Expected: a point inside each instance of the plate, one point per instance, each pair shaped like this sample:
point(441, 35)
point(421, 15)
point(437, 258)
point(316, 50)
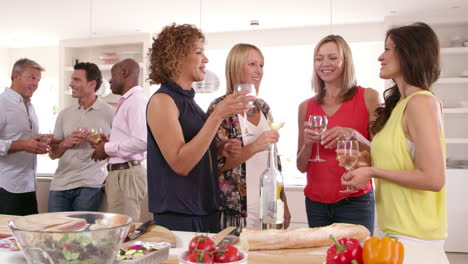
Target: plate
point(9, 245)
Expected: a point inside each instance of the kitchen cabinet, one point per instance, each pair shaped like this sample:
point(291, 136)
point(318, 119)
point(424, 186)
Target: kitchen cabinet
point(452, 90)
point(103, 51)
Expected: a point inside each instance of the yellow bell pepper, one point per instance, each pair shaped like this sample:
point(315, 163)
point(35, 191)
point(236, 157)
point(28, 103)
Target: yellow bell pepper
point(383, 251)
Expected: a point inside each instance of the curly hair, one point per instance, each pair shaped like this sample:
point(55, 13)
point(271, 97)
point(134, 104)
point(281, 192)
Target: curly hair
point(417, 49)
point(170, 46)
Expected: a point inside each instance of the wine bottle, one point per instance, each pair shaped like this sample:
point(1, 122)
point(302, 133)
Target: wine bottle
point(271, 185)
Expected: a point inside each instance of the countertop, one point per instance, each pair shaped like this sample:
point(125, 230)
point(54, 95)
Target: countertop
point(413, 252)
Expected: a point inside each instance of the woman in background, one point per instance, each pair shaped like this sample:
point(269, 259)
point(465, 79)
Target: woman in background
point(350, 110)
point(240, 176)
point(183, 186)
point(408, 150)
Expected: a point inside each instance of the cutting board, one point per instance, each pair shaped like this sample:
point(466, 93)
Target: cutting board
point(157, 233)
point(4, 229)
point(315, 255)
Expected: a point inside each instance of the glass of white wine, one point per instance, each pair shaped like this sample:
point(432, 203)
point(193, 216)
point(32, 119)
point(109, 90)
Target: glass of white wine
point(318, 124)
point(347, 155)
point(94, 135)
point(253, 92)
point(46, 138)
point(276, 125)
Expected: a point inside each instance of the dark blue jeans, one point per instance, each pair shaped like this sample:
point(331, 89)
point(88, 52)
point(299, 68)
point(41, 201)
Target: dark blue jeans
point(79, 199)
point(353, 210)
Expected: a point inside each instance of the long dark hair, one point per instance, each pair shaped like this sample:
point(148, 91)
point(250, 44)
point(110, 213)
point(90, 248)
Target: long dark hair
point(417, 49)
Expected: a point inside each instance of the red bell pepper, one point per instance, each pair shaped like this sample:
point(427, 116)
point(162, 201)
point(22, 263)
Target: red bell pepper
point(344, 251)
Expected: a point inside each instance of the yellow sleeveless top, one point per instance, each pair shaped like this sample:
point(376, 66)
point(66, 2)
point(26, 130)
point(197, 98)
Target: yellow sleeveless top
point(402, 210)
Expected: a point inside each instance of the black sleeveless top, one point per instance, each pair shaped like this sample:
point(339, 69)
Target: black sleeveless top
point(198, 192)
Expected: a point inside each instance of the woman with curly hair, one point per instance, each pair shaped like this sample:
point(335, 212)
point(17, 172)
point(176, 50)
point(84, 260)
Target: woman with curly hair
point(183, 186)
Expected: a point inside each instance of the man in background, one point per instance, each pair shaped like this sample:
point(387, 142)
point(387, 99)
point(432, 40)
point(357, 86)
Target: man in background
point(126, 148)
point(19, 141)
point(77, 183)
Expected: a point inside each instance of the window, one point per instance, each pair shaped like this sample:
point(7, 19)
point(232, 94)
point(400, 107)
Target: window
point(45, 101)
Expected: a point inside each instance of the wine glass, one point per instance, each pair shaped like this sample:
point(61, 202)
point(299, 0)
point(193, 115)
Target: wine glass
point(94, 135)
point(275, 125)
point(347, 155)
point(253, 92)
point(318, 124)
point(46, 138)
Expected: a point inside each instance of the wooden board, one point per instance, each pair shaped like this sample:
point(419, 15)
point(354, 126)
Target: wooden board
point(157, 233)
point(297, 256)
point(292, 256)
point(4, 229)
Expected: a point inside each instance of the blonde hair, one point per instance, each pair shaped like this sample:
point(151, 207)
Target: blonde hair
point(349, 76)
point(234, 61)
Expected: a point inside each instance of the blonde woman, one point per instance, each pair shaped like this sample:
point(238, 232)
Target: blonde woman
point(240, 176)
point(350, 111)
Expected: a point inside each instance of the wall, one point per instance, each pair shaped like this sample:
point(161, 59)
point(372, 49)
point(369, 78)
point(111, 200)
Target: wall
point(4, 69)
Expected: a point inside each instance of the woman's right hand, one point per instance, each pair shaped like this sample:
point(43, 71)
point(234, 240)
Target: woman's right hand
point(265, 139)
point(233, 104)
point(309, 136)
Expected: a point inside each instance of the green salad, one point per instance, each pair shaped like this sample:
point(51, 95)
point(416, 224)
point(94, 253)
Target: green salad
point(72, 248)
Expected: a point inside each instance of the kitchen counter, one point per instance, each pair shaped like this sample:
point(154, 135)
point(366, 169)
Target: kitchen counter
point(413, 252)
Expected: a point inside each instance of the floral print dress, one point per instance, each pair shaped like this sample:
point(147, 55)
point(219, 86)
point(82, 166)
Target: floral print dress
point(233, 185)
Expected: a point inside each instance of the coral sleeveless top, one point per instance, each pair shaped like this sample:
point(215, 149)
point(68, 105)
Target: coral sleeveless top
point(324, 178)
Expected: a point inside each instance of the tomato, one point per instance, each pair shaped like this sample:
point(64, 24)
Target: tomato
point(225, 254)
point(199, 257)
point(202, 243)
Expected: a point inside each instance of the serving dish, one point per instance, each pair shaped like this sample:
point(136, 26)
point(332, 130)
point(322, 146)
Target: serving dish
point(155, 257)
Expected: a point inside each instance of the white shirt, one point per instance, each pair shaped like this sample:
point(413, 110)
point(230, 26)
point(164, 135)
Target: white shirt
point(255, 166)
point(17, 170)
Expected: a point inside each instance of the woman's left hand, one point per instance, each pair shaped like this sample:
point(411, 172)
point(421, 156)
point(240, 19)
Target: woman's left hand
point(357, 178)
point(332, 135)
point(231, 148)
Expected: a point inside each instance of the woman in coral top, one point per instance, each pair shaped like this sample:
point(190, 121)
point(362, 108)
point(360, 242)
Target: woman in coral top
point(349, 109)
point(408, 150)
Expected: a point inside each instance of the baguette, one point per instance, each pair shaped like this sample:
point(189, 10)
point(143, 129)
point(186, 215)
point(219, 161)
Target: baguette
point(256, 239)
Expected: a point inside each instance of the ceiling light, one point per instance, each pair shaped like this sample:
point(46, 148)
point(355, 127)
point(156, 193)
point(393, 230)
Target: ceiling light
point(254, 22)
point(208, 85)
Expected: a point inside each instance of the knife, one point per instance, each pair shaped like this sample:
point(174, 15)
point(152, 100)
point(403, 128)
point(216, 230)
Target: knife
point(231, 238)
point(140, 230)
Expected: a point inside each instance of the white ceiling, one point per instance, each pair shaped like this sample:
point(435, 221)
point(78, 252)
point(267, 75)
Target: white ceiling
point(44, 22)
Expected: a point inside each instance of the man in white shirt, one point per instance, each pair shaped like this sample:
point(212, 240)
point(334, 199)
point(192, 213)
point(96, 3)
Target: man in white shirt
point(19, 141)
point(77, 183)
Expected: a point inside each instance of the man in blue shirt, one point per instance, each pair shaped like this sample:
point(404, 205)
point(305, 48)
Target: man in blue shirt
point(19, 141)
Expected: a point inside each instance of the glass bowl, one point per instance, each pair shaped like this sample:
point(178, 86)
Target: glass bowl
point(70, 237)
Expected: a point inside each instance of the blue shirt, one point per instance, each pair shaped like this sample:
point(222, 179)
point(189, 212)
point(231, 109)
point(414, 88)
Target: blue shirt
point(17, 170)
point(198, 192)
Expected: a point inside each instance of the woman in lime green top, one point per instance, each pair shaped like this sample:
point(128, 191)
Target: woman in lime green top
point(408, 149)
